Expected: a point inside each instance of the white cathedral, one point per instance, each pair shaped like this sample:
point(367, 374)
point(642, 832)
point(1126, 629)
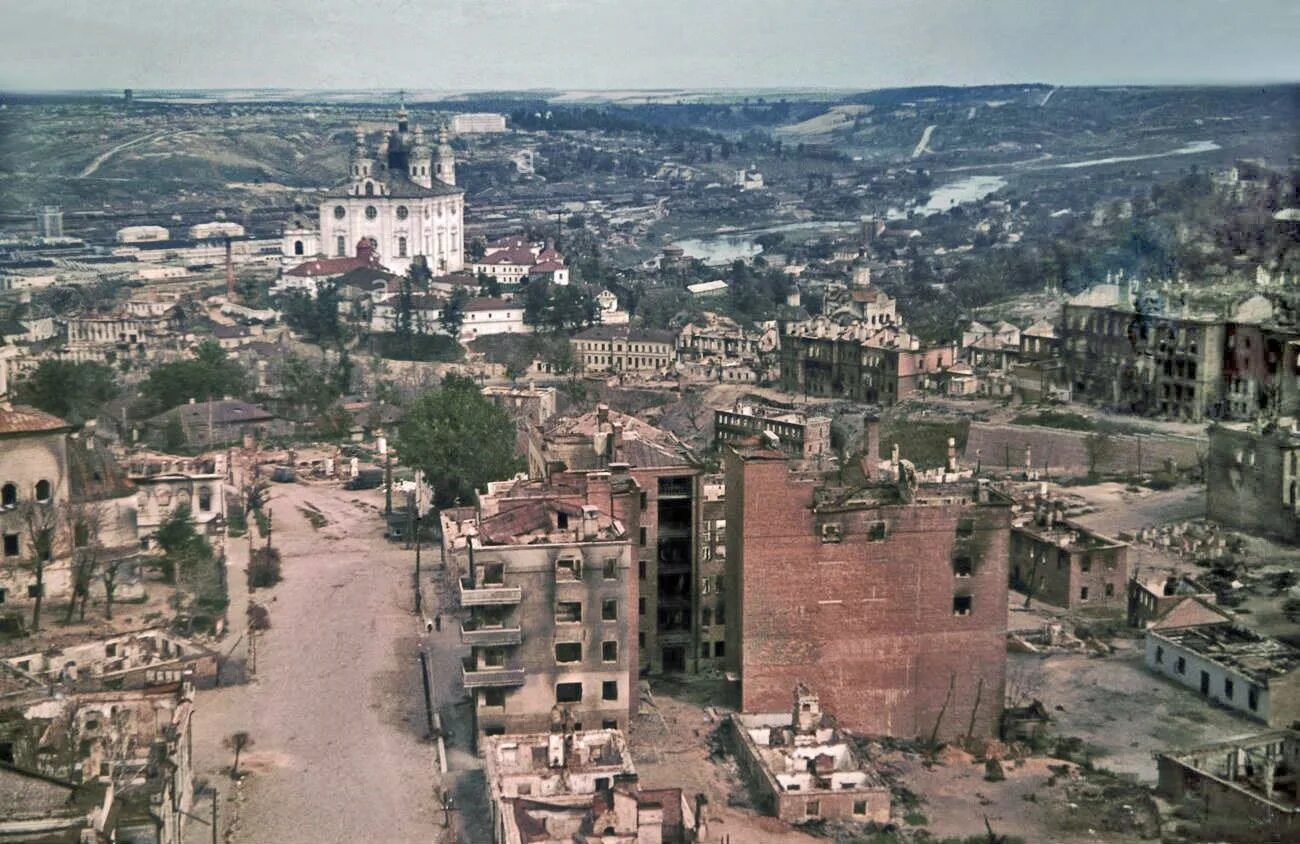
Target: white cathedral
point(401, 198)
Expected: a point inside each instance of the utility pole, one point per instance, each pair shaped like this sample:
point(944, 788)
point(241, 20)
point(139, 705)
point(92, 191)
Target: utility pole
point(214, 816)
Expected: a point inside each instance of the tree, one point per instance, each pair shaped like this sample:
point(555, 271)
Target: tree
point(73, 391)
point(459, 439)
point(210, 374)
point(453, 313)
point(86, 522)
point(108, 574)
point(238, 742)
point(40, 521)
point(184, 549)
point(1099, 446)
point(488, 285)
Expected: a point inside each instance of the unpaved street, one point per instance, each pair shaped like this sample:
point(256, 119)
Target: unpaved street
point(335, 709)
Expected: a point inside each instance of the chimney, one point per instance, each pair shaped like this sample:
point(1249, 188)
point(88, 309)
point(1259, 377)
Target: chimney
point(602, 414)
point(590, 522)
point(616, 442)
point(230, 273)
point(872, 445)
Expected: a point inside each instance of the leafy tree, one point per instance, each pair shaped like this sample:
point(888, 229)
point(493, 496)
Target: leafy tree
point(453, 313)
point(475, 249)
point(310, 387)
point(459, 439)
point(210, 374)
point(237, 742)
point(184, 549)
point(73, 391)
point(488, 285)
point(316, 317)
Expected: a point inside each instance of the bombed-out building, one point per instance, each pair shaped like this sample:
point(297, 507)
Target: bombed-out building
point(1065, 564)
point(889, 599)
point(1253, 478)
point(671, 576)
point(568, 786)
point(1245, 788)
point(547, 591)
point(1234, 666)
point(803, 768)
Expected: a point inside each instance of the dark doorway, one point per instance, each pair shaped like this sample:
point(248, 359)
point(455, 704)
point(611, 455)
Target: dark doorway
point(674, 658)
point(1205, 682)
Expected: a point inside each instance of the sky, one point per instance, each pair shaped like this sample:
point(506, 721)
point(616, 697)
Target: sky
point(641, 44)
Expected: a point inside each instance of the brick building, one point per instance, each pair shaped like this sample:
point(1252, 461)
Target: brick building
point(1253, 479)
point(1065, 564)
point(890, 600)
point(547, 591)
point(1151, 596)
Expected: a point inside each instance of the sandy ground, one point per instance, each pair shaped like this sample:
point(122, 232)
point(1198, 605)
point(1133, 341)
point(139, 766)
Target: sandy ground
point(1120, 709)
point(334, 709)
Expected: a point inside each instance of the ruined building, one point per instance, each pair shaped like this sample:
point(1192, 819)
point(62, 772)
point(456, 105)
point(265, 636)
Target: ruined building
point(857, 349)
point(1253, 479)
point(889, 599)
point(1255, 675)
point(1065, 564)
point(1183, 354)
point(671, 576)
point(803, 768)
point(547, 592)
point(573, 788)
point(1245, 789)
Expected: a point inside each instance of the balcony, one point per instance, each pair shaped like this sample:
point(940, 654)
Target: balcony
point(483, 596)
point(490, 678)
point(471, 635)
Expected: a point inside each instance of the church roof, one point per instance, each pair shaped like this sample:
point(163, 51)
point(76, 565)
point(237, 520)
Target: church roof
point(399, 187)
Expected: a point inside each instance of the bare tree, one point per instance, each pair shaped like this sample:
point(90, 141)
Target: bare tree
point(108, 573)
point(85, 523)
point(40, 520)
point(238, 742)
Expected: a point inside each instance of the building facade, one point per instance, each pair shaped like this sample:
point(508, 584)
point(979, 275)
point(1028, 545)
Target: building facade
point(1253, 479)
point(620, 348)
point(889, 600)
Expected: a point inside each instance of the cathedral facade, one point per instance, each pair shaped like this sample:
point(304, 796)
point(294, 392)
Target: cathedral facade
point(402, 198)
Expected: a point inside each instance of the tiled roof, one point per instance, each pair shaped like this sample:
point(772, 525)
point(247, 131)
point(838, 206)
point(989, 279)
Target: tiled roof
point(512, 255)
point(20, 419)
point(492, 305)
point(399, 187)
point(332, 266)
point(623, 332)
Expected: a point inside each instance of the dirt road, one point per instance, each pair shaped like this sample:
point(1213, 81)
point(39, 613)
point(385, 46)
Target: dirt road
point(335, 708)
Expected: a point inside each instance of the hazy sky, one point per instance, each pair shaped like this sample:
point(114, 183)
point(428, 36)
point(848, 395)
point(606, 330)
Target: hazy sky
point(475, 44)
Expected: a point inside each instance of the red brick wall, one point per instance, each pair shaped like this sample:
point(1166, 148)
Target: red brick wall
point(868, 625)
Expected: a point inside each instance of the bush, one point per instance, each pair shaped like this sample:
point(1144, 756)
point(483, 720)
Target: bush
point(993, 771)
point(423, 347)
point(264, 568)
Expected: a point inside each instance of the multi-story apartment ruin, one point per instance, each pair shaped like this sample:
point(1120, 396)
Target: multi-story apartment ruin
point(547, 588)
point(890, 599)
point(668, 567)
point(1182, 354)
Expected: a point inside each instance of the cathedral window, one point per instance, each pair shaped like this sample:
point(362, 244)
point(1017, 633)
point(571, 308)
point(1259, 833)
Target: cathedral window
point(401, 247)
point(297, 247)
point(342, 246)
point(402, 212)
point(371, 213)
point(370, 188)
point(339, 212)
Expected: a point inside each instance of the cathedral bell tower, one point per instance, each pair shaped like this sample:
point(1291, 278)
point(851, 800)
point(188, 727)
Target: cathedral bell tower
point(363, 166)
point(420, 161)
point(446, 163)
